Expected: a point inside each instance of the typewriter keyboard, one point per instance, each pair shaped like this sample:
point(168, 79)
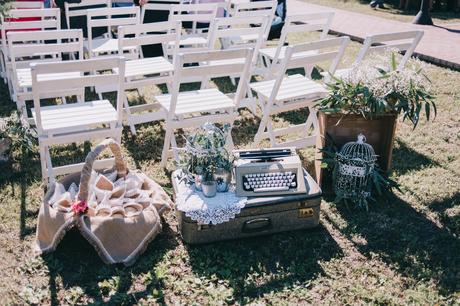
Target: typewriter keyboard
point(266, 182)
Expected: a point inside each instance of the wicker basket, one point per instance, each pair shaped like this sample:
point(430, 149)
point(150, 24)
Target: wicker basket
point(117, 240)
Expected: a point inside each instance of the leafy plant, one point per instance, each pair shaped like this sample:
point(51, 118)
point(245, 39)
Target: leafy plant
point(205, 152)
point(21, 138)
point(5, 6)
point(370, 90)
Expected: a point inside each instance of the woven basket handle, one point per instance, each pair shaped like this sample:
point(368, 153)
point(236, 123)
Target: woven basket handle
point(120, 165)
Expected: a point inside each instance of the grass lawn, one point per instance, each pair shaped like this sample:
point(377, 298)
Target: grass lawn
point(391, 11)
point(405, 251)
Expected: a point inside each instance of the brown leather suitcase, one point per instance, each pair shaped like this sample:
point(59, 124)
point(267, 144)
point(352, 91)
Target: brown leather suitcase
point(260, 216)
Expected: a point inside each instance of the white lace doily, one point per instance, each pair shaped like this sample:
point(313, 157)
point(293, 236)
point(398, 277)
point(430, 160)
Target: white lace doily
point(219, 209)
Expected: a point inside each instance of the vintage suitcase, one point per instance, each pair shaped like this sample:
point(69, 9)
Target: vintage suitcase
point(260, 216)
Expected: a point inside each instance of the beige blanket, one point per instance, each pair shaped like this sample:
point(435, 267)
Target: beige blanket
point(116, 239)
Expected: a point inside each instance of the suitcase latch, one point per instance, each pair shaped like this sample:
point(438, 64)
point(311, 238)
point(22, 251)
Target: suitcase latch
point(305, 212)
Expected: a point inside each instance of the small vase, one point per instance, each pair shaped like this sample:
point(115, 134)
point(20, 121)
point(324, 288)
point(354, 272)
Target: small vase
point(223, 179)
point(209, 188)
point(198, 180)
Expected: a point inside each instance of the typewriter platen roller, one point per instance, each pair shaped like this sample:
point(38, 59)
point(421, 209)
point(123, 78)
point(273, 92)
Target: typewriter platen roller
point(268, 172)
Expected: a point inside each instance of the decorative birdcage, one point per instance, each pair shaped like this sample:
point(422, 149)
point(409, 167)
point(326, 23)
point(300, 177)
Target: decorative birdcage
point(354, 167)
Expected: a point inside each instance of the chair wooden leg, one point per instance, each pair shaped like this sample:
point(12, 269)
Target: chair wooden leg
point(166, 146)
point(43, 162)
point(260, 131)
point(132, 128)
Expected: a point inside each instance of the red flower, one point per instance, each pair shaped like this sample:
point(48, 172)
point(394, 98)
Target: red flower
point(79, 207)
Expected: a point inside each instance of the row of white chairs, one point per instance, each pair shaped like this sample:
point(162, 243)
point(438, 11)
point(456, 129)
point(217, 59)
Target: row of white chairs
point(275, 94)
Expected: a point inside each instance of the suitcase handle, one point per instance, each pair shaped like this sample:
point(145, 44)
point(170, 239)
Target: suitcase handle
point(257, 225)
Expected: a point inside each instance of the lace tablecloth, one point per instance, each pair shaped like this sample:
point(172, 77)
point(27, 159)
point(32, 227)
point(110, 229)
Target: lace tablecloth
point(219, 209)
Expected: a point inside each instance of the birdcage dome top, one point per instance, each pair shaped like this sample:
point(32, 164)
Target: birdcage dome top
point(358, 150)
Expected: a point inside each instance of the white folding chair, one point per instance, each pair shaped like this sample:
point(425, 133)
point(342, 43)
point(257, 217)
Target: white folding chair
point(255, 8)
point(401, 41)
point(192, 108)
point(81, 8)
point(75, 122)
point(251, 31)
point(27, 5)
point(295, 24)
point(39, 46)
point(157, 5)
point(111, 19)
point(196, 21)
point(24, 20)
point(288, 93)
point(142, 72)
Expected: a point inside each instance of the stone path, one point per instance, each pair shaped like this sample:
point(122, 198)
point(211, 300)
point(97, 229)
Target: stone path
point(439, 45)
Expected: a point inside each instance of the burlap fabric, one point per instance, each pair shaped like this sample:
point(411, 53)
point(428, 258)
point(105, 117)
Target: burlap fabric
point(117, 240)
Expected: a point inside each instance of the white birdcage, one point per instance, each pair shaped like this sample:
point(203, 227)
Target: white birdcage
point(355, 164)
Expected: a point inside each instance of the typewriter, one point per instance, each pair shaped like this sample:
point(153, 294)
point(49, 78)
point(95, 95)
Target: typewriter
point(268, 172)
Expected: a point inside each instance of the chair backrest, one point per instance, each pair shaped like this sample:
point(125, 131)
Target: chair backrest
point(111, 18)
point(157, 5)
point(28, 20)
point(149, 34)
point(27, 4)
point(249, 32)
point(301, 55)
point(304, 23)
point(77, 74)
point(256, 8)
point(49, 45)
point(401, 41)
point(203, 13)
point(81, 8)
point(212, 64)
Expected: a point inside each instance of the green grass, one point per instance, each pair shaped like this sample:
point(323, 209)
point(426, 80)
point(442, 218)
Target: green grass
point(391, 11)
point(405, 251)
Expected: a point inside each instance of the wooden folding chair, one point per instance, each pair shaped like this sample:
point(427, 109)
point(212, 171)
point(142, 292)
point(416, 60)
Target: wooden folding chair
point(401, 41)
point(255, 8)
point(196, 21)
point(110, 19)
point(75, 122)
point(157, 5)
point(295, 24)
point(24, 20)
point(192, 108)
point(80, 9)
point(288, 93)
point(39, 46)
point(142, 72)
point(251, 31)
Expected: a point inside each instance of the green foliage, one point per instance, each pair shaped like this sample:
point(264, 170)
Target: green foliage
point(22, 138)
point(373, 91)
point(205, 152)
point(5, 6)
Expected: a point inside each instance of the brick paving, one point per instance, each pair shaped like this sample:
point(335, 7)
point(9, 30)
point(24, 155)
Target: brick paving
point(440, 44)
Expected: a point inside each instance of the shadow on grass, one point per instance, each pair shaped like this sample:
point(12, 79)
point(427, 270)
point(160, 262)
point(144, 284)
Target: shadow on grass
point(449, 212)
point(76, 263)
point(406, 240)
point(289, 258)
point(406, 159)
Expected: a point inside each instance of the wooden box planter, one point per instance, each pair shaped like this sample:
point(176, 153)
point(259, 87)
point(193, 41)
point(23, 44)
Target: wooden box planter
point(379, 132)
